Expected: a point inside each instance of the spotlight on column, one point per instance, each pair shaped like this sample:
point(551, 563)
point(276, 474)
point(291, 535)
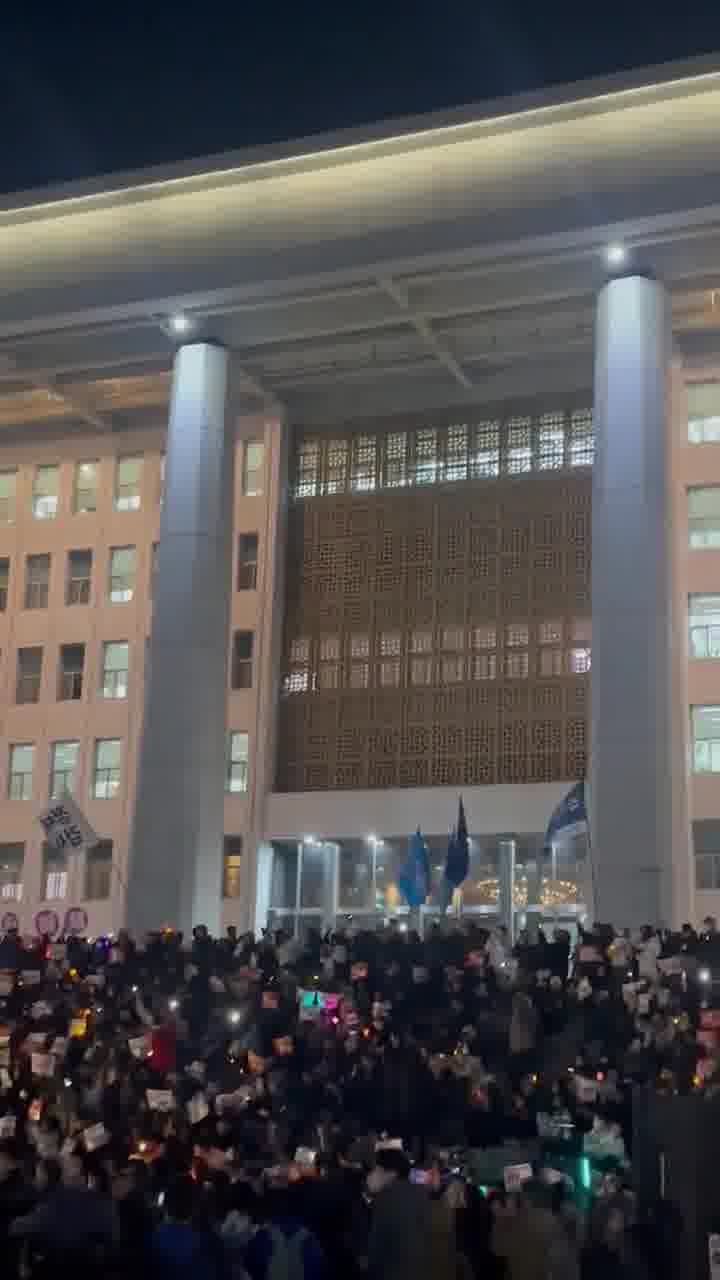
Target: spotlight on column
point(179, 323)
point(616, 255)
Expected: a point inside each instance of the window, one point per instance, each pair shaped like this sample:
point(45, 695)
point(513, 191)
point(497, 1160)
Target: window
point(155, 548)
point(426, 455)
point(252, 468)
point(483, 639)
point(359, 670)
point(704, 626)
point(247, 562)
point(114, 678)
point(396, 459)
point(45, 493)
point(232, 862)
point(37, 582)
point(128, 479)
point(456, 453)
point(161, 495)
point(581, 451)
point(8, 485)
point(55, 874)
point(336, 466)
point(98, 871)
point(63, 762)
point(12, 857)
point(421, 670)
point(106, 771)
point(4, 582)
point(79, 576)
point(485, 460)
point(519, 446)
point(29, 675)
point(705, 723)
point(516, 656)
point(307, 469)
point(363, 468)
point(242, 660)
point(297, 679)
point(85, 487)
point(703, 412)
point(551, 442)
point(704, 517)
point(706, 846)
point(236, 778)
point(21, 771)
point(122, 574)
point(70, 672)
point(550, 639)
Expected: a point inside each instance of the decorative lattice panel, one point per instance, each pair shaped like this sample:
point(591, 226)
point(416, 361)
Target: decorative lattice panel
point(438, 607)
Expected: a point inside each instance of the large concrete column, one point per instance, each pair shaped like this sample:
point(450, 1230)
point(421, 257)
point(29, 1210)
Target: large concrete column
point(175, 872)
point(631, 758)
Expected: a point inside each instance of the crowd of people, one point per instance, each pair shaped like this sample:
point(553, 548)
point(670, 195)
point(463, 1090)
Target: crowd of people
point(350, 1104)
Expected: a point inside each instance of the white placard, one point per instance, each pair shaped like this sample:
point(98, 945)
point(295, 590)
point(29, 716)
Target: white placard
point(8, 1124)
point(7, 982)
point(197, 1108)
point(138, 1047)
point(66, 828)
point(42, 1064)
point(514, 1175)
point(96, 1136)
point(160, 1099)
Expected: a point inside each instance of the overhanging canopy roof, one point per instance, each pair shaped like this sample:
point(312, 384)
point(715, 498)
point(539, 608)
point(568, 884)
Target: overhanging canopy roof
point(439, 261)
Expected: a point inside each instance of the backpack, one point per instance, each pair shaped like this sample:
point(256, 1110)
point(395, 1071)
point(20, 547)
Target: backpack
point(286, 1258)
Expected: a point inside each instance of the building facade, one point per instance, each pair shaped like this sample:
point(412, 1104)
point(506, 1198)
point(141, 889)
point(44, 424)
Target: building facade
point(368, 535)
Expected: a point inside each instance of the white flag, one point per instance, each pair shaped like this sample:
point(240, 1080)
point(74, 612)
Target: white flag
point(66, 827)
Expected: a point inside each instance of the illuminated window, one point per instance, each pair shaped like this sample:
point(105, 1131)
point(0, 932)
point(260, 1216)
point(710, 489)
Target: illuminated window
point(581, 448)
point(253, 468)
point(114, 678)
point(485, 460)
point(456, 453)
point(21, 771)
point(307, 482)
point(336, 466)
point(518, 456)
point(236, 778)
point(54, 873)
point(128, 479)
point(232, 866)
point(703, 412)
point(396, 459)
point(704, 626)
point(704, 517)
point(8, 485)
point(122, 574)
point(85, 487)
point(426, 455)
point(106, 771)
point(551, 442)
point(705, 722)
point(45, 492)
point(63, 763)
point(363, 471)
point(12, 859)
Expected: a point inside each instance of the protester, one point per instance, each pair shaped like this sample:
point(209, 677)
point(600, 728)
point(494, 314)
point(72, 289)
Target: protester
point(348, 1102)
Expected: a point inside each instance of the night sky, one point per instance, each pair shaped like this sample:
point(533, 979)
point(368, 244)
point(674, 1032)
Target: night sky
point(86, 90)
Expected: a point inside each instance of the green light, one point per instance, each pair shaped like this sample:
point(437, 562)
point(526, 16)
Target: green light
point(585, 1173)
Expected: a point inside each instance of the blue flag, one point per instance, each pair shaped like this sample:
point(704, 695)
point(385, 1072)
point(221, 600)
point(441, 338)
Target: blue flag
point(569, 816)
point(414, 878)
